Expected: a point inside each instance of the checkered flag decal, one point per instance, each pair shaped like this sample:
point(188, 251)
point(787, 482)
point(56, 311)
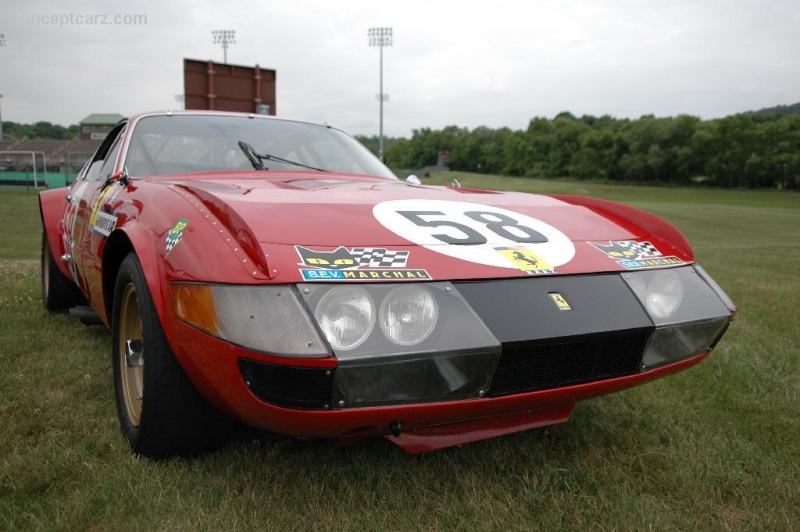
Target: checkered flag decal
point(628, 249)
point(644, 249)
point(171, 243)
point(641, 249)
point(379, 257)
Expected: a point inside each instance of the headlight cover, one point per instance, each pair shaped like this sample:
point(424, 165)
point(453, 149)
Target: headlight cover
point(429, 345)
point(408, 314)
point(664, 294)
point(346, 316)
point(690, 313)
point(269, 319)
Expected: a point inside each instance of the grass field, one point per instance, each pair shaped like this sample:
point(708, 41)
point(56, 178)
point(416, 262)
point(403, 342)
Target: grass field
point(714, 448)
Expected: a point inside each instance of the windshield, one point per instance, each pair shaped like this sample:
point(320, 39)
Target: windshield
point(199, 143)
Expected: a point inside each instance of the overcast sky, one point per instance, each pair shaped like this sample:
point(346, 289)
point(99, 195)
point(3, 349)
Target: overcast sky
point(467, 63)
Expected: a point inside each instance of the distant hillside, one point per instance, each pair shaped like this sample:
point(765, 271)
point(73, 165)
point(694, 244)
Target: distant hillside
point(778, 110)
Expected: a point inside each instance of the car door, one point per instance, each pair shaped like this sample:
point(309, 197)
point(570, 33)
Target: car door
point(88, 195)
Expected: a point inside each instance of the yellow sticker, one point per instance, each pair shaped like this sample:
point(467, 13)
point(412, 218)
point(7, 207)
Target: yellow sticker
point(526, 260)
point(98, 204)
point(560, 302)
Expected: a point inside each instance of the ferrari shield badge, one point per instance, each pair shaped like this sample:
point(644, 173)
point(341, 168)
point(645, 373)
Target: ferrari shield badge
point(176, 233)
point(560, 302)
point(526, 260)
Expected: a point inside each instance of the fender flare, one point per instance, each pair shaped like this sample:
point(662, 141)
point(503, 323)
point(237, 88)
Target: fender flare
point(137, 239)
point(52, 206)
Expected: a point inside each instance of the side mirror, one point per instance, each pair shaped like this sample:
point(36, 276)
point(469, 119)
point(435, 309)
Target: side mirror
point(121, 176)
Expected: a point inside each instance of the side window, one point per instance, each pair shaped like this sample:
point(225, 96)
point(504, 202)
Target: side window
point(111, 158)
point(111, 143)
point(94, 170)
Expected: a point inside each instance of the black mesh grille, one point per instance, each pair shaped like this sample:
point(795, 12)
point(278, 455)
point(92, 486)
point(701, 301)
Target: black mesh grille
point(539, 365)
point(288, 386)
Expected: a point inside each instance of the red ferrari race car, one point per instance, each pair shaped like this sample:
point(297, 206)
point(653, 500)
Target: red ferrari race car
point(274, 272)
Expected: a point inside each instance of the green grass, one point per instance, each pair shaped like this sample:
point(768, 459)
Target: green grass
point(716, 447)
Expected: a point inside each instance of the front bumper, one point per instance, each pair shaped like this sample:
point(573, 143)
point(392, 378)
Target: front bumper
point(550, 358)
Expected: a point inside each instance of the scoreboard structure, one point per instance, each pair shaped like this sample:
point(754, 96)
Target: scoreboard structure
point(224, 87)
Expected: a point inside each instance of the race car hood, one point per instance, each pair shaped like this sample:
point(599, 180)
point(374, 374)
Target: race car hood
point(306, 222)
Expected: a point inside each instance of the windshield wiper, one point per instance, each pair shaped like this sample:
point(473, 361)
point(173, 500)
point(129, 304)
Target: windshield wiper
point(255, 159)
point(251, 155)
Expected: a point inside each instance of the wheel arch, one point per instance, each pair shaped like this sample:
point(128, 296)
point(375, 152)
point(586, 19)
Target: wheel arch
point(119, 244)
point(52, 206)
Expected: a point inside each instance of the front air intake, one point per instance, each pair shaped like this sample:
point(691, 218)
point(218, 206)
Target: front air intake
point(540, 365)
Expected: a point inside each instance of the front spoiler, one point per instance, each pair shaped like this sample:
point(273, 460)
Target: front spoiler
point(444, 436)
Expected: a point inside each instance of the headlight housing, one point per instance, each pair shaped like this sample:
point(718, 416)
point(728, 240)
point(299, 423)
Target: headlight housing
point(690, 313)
point(429, 344)
point(269, 319)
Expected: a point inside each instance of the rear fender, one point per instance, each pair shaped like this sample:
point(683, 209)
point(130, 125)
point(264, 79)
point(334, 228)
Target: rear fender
point(52, 205)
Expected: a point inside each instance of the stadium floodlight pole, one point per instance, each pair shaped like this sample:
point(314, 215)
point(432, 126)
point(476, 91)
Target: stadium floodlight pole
point(225, 38)
point(380, 37)
point(1, 120)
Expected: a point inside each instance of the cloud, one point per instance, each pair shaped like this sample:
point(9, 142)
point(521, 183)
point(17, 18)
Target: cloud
point(469, 64)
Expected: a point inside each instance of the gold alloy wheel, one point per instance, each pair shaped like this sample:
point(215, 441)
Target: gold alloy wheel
point(131, 355)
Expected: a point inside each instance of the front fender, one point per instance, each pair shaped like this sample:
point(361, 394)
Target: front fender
point(631, 216)
point(120, 243)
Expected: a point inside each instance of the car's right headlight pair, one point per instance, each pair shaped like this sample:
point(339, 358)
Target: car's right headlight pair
point(347, 315)
point(690, 312)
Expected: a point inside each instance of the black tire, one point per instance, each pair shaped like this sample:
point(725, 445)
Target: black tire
point(59, 293)
point(160, 411)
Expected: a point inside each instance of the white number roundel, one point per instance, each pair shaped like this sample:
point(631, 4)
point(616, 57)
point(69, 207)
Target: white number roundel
point(473, 232)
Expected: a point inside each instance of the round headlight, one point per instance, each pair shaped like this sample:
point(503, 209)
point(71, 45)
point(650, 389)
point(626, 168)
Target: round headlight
point(664, 294)
point(408, 314)
point(346, 315)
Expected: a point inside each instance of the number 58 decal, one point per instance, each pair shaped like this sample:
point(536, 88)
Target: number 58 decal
point(501, 225)
point(473, 232)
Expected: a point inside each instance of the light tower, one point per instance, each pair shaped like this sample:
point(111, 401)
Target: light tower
point(380, 37)
point(225, 38)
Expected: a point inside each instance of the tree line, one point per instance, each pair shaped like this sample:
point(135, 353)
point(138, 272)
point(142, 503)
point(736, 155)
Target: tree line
point(758, 149)
point(747, 150)
point(39, 130)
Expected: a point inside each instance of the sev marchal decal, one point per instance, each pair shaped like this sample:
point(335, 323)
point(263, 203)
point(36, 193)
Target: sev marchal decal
point(650, 263)
point(357, 264)
point(176, 234)
point(481, 234)
point(634, 255)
